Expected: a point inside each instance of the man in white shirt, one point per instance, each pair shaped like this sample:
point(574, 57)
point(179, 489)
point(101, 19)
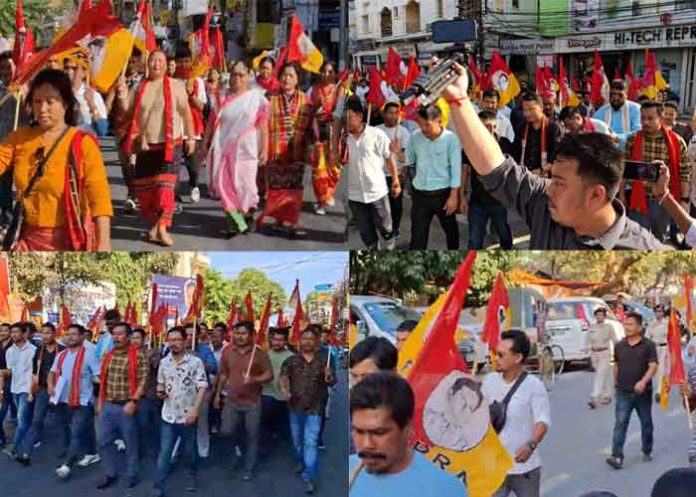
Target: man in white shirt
point(399, 136)
point(490, 101)
point(657, 332)
point(20, 362)
point(368, 149)
point(92, 113)
point(528, 414)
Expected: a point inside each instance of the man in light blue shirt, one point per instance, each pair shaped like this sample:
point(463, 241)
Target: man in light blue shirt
point(435, 156)
point(74, 409)
point(381, 408)
point(106, 341)
point(621, 115)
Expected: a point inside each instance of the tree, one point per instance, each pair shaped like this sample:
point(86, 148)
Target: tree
point(35, 13)
point(220, 293)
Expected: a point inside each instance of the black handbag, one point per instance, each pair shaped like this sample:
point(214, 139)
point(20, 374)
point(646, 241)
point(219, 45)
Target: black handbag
point(498, 410)
point(9, 235)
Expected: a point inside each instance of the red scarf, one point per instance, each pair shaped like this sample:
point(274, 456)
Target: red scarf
point(79, 222)
point(132, 373)
point(638, 200)
point(589, 126)
point(270, 84)
point(324, 100)
point(168, 118)
point(198, 126)
point(75, 383)
point(544, 152)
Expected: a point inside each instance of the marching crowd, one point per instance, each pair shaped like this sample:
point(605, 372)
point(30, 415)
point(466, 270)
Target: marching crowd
point(383, 412)
point(561, 169)
point(259, 132)
point(120, 392)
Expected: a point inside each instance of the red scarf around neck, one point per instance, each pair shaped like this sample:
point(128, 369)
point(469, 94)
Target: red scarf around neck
point(638, 200)
point(589, 126)
point(270, 84)
point(75, 379)
point(168, 118)
point(132, 373)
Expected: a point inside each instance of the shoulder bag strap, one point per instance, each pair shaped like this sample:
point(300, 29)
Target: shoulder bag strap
point(514, 388)
point(42, 165)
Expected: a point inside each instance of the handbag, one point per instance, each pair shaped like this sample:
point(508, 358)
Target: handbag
point(9, 237)
point(498, 410)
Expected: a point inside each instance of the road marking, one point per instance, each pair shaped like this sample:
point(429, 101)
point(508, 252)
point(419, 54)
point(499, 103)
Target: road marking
point(550, 483)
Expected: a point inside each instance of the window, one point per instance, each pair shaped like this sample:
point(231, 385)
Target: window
point(396, 12)
point(366, 24)
point(385, 22)
point(516, 4)
point(413, 17)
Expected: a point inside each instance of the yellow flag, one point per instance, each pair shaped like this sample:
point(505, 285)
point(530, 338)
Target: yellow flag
point(109, 60)
point(444, 107)
point(485, 465)
point(256, 61)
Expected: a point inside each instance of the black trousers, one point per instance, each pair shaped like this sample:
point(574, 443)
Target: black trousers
point(397, 208)
point(425, 206)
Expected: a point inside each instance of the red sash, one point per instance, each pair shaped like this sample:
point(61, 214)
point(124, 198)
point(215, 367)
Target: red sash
point(198, 126)
point(638, 200)
point(132, 373)
point(589, 126)
point(168, 118)
point(79, 222)
point(75, 383)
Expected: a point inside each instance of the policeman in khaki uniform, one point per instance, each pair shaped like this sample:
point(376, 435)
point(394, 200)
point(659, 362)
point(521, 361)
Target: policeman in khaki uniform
point(657, 332)
point(601, 338)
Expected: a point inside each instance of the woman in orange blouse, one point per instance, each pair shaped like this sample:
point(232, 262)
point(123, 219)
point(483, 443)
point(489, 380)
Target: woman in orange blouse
point(69, 207)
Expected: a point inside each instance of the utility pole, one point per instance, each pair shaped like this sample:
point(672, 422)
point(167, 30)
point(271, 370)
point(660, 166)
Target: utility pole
point(473, 9)
point(343, 35)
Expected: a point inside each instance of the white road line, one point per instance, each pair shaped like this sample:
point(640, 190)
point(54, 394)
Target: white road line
point(550, 483)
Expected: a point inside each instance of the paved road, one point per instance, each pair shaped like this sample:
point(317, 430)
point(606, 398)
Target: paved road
point(216, 478)
point(437, 241)
point(573, 453)
point(199, 226)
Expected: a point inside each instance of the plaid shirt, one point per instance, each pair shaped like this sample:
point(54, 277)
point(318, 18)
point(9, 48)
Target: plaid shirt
point(117, 383)
point(655, 148)
point(289, 131)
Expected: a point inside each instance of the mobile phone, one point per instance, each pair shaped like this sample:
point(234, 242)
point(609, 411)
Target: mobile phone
point(642, 171)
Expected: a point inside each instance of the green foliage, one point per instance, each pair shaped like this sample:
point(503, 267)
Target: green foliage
point(220, 292)
point(36, 12)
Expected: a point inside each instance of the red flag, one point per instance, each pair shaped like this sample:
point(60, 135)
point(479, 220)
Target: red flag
point(563, 82)
point(542, 84)
point(334, 320)
point(632, 83)
point(146, 21)
point(295, 293)
point(232, 316)
point(395, 70)
point(551, 79)
point(97, 320)
point(249, 305)
point(65, 319)
point(4, 289)
point(496, 314)
point(261, 336)
point(218, 49)
point(281, 319)
point(617, 73)
point(475, 71)
point(575, 86)
point(376, 95)
point(412, 73)
point(297, 319)
point(85, 5)
point(600, 84)
point(196, 309)
point(24, 39)
point(673, 372)
point(689, 290)
point(440, 356)
point(25, 314)
point(96, 21)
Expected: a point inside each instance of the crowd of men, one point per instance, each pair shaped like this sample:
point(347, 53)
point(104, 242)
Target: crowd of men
point(382, 408)
point(561, 169)
point(257, 130)
point(122, 393)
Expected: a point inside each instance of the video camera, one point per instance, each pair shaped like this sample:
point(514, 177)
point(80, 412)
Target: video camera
point(427, 87)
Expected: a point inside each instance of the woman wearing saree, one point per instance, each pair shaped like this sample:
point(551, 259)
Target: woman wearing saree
point(238, 144)
point(289, 139)
point(58, 173)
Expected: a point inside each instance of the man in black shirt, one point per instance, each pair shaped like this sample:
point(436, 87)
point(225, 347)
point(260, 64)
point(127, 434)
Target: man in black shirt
point(481, 206)
point(6, 403)
point(43, 360)
point(635, 364)
point(535, 141)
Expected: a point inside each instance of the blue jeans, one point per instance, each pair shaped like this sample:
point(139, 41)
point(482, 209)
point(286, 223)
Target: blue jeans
point(274, 422)
point(656, 220)
point(37, 424)
point(478, 220)
point(625, 404)
point(114, 424)
point(76, 423)
point(168, 435)
point(7, 405)
point(305, 435)
point(23, 417)
point(149, 415)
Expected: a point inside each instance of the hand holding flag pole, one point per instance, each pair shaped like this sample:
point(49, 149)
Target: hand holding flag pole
point(251, 361)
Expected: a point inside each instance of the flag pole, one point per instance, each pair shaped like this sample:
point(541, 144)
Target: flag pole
point(195, 330)
point(251, 361)
point(369, 113)
point(18, 104)
point(355, 473)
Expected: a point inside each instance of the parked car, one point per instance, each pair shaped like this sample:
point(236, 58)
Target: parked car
point(568, 323)
point(379, 316)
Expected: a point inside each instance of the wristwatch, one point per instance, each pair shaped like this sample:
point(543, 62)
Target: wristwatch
point(532, 445)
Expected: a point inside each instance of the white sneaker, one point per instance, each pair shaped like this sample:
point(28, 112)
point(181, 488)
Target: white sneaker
point(88, 460)
point(319, 210)
point(63, 471)
point(195, 195)
point(120, 445)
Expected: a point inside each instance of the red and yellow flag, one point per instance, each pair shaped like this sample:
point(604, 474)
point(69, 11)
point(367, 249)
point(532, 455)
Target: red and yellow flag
point(498, 316)
point(673, 373)
point(262, 335)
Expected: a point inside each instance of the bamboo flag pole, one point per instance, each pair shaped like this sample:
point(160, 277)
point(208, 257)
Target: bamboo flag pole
point(251, 361)
point(18, 104)
point(369, 113)
point(355, 473)
point(195, 332)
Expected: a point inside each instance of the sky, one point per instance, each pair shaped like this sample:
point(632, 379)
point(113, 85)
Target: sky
point(312, 268)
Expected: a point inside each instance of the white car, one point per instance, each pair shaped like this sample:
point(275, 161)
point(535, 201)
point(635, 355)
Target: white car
point(379, 316)
point(568, 322)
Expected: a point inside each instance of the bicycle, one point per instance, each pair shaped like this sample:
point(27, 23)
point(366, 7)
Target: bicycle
point(551, 363)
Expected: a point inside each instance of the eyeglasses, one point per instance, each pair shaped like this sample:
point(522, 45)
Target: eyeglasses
point(70, 68)
point(237, 75)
